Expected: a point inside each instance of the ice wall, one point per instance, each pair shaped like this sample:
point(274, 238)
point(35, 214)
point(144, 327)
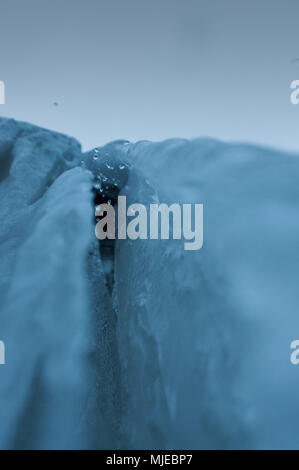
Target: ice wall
point(188, 349)
point(52, 385)
point(205, 336)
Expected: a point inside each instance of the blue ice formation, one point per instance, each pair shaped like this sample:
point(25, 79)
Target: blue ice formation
point(183, 349)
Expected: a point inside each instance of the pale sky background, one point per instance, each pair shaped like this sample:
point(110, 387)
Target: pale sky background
point(153, 69)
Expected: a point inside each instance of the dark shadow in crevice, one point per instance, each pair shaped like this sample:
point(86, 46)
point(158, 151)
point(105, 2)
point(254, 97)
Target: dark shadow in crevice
point(6, 159)
point(107, 195)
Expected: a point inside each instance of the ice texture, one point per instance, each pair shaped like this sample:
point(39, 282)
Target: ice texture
point(205, 336)
point(49, 387)
point(187, 349)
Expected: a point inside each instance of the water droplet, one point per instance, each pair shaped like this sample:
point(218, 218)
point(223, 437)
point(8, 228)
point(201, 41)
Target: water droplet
point(97, 186)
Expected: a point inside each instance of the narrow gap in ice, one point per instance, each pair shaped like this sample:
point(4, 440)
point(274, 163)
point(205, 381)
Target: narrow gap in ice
point(106, 247)
point(6, 161)
point(110, 176)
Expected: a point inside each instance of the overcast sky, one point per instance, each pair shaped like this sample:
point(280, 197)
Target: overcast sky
point(153, 69)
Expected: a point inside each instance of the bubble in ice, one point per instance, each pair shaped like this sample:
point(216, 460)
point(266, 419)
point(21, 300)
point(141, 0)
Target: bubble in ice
point(97, 185)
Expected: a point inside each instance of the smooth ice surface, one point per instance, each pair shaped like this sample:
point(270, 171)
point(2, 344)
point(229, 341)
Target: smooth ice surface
point(49, 386)
point(205, 336)
point(191, 349)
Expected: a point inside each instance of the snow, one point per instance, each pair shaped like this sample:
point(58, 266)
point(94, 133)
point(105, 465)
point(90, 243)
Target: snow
point(190, 349)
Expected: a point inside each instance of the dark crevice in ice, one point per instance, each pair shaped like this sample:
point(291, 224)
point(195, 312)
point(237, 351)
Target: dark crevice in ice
point(6, 160)
point(110, 169)
point(106, 247)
